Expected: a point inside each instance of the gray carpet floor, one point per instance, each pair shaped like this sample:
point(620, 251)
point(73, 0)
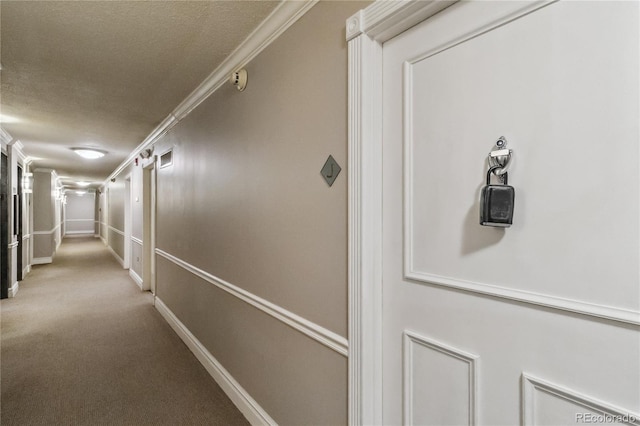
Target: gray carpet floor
point(82, 345)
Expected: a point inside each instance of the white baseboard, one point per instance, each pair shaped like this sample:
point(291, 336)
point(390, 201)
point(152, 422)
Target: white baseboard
point(26, 270)
point(103, 240)
point(245, 403)
point(76, 234)
point(41, 260)
point(118, 258)
point(135, 277)
point(14, 289)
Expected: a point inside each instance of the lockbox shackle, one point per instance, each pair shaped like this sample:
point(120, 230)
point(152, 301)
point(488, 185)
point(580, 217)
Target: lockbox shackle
point(503, 176)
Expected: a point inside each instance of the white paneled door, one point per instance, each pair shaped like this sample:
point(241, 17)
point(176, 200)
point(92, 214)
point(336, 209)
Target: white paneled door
point(537, 323)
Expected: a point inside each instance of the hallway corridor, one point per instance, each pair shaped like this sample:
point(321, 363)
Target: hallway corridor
point(81, 345)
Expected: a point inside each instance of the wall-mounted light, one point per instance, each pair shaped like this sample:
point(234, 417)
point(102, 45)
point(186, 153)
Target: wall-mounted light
point(27, 183)
point(58, 193)
point(239, 79)
point(89, 153)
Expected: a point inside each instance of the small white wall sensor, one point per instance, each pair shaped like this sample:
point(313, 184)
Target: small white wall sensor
point(239, 79)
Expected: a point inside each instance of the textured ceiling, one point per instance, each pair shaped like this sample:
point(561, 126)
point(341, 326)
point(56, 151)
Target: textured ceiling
point(106, 73)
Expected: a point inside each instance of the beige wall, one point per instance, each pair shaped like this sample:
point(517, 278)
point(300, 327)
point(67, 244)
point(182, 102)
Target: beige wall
point(43, 203)
point(244, 201)
point(103, 214)
point(136, 258)
point(245, 185)
point(136, 202)
point(116, 196)
point(45, 216)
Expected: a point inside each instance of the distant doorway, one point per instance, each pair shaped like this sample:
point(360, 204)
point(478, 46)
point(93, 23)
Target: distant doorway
point(148, 231)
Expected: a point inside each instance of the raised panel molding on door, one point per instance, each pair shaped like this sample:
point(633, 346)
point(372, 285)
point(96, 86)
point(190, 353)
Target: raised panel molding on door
point(557, 293)
point(423, 210)
point(544, 403)
point(434, 369)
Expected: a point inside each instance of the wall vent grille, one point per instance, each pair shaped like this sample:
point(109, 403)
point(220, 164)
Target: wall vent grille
point(166, 159)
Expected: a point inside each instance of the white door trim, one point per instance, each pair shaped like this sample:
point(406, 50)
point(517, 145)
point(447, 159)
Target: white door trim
point(128, 213)
point(149, 224)
point(366, 31)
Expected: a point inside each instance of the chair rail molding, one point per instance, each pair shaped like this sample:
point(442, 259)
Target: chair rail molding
point(318, 333)
point(116, 230)
point(46, 232)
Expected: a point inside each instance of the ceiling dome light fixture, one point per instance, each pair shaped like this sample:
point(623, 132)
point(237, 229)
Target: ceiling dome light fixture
point(89, 153)
point(82, 183)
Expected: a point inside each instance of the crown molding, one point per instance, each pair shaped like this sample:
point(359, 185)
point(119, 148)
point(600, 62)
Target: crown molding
point(18, 150)
point(8, 140)
point(383, 20)
point(5, 137)
point(282, 17)
point(16, 144)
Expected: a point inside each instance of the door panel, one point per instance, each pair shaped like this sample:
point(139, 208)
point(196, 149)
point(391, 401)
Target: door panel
point(560, 82)
point(431, 370)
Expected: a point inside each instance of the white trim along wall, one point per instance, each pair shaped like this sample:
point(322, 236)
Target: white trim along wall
point(248, 406)
point(320, 334)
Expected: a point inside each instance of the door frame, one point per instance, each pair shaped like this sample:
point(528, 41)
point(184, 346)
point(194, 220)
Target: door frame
point(366, 32)
point(149, 225)
point(127, 222)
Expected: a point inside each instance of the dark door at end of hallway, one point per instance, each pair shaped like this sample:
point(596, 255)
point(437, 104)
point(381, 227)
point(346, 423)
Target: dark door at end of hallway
point(4, 229)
